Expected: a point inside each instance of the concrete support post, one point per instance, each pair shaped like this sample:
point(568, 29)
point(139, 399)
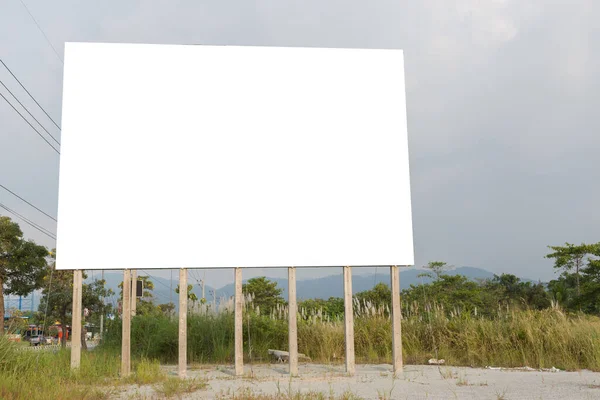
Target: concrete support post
point(126, 330)
point(183, 298)
point(349, 321)
point(293, 322)
point(396, 321)
point(76, 319)
point(239, 338)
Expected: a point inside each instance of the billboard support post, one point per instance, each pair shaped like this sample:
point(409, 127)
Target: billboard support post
point(76, 319)
point(396, 321)
point(126, 330)
point(239, 344)
point(348, 320)
point(183, 297)
point(293, 323)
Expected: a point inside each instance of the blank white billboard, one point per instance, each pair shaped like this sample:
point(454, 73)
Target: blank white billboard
point(223, 156)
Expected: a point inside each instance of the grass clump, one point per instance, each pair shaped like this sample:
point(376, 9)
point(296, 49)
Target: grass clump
point(146, 371)
point(248, 394)
point(32, 375)
point(171, 387)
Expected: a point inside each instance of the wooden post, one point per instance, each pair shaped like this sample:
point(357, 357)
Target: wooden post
point(396, 321)
point(133, 292)
point(126, 320)
point(293, 323)
point(348, 320)
point(239, 339)
point(183, 297)
point(76, 319)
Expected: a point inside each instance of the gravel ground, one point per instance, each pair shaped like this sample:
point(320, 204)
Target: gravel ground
point(377, 382)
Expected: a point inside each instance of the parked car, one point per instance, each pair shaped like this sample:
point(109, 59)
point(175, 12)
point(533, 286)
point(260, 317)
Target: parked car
point(36, 340)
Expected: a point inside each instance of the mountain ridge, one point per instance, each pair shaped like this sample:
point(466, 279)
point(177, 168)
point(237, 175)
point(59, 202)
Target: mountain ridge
point(325, 287)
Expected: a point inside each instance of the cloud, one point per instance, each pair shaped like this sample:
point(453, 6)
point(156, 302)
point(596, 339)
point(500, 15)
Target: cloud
point(501, 102)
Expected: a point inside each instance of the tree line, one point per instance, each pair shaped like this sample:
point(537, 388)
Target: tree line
point(26, 266)
point(576, 289)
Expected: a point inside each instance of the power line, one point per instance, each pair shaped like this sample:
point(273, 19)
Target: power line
point(30, 95)
point(155, 280)
point(29, 123)
point(41, 30)
point(19, 197)
point(33, 224)
point(160, 296)
point(30, 114)
point(194, 275)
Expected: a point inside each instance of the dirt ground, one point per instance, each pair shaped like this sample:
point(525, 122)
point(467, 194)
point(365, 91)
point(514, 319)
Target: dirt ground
point(378, 382)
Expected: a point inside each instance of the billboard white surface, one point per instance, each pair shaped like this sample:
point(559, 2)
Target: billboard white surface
point(221, 156)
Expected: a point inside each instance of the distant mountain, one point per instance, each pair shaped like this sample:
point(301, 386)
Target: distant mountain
point(162, 292)
point(329, 286)
point(332, 286)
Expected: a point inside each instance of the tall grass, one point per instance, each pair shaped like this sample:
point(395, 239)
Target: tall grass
point(537, 339)
point(35, 375)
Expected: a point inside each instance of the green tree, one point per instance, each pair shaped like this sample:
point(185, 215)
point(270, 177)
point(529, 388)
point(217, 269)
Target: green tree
point(167, 308)
point(571, 257)
point(508, 289)
point(589, 300)
point(16, 323)
point(453, 292)
point(146, 307)
point(22, 263)
point(564, 290)
point(266, 293)
point(57, 297)
point(437, 269)
point(380, 295)
point(190, 295)
point(145, 303)
point(537, 296)
point(333, 307)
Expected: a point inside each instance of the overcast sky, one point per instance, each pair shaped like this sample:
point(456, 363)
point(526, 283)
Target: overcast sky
point(502, 100)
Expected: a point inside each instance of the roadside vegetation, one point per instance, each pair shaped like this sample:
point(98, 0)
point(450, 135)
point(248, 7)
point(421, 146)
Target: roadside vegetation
point(535, 338)
point(502, 322)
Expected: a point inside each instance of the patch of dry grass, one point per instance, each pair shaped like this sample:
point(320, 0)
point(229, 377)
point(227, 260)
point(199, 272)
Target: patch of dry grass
point(172, 387)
